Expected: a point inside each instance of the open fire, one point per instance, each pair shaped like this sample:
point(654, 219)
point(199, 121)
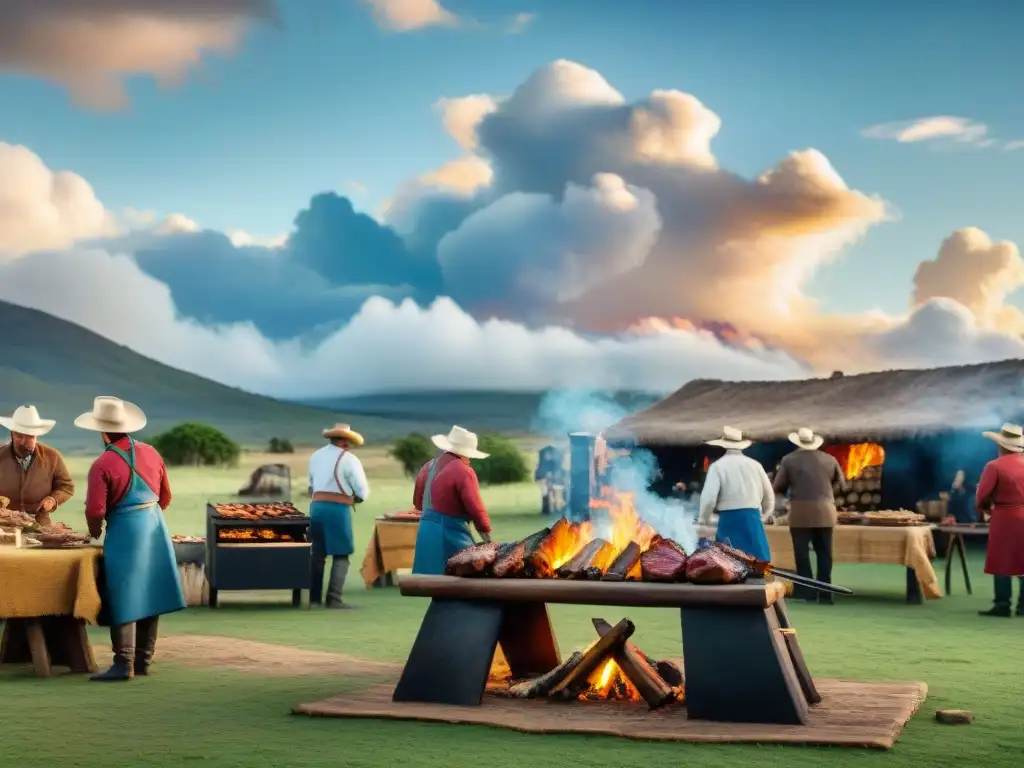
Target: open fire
point(253, 534)
point(604, 671)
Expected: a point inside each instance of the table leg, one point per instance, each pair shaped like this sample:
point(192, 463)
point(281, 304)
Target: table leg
point(451, 657)
point(72, 634)
point(796, 654)
point(213, 598)
point(527, 640)
point(962, 549)
point(914, 596)
point(950, 546)
point(738, 668)
point(296, 598)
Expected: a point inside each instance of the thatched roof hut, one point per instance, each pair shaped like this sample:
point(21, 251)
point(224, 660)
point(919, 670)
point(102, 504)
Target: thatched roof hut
point(878, 407)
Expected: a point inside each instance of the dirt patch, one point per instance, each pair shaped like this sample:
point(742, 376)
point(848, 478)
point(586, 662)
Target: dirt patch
point(268, 659)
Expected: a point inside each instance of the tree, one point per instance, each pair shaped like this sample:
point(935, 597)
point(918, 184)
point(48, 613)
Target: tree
point(280, 445)
point(412, 452)
point(195, 444)
point(506, 463)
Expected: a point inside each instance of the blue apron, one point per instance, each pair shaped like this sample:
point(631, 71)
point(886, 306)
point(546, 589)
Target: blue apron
point(140, 572)
point(330, 528)
point(743, 529)
point(439, 536)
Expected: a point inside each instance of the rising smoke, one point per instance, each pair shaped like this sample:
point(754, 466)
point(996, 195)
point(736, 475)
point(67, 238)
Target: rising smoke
point(565, 411)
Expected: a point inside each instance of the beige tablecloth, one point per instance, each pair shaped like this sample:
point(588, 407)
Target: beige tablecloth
point(392, 547)
point(911, 546)
point(49, 582)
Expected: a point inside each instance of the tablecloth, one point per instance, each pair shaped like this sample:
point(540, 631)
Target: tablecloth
point(392, 546)
point(49, 582)
point(910, 546)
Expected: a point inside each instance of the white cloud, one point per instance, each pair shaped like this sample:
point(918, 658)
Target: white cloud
point(410, 15)
point(41, 208)
point(461, 117)
point(959, 129)
point(91, 48)
point(1011, 146)
point(519, 22)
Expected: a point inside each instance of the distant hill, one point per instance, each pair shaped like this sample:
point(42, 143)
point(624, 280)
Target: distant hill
point(60, 367)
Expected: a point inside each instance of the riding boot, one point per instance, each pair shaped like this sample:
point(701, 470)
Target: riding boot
point(122, 638)
point(339, 570)
point(145, 644)
point(316, 579)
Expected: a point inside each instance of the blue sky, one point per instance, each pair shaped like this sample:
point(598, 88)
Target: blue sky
point(329, 97)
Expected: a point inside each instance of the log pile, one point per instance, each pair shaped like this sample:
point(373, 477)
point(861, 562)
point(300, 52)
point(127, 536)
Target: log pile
point(610, 668)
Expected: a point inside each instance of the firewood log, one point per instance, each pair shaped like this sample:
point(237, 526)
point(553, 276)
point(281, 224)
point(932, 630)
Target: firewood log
point(599, 563)
point(577, 681)
point(623, 563)
point(539, 562)
point(512, 560)
point(641, 670)
point(581, 560)
point(603, 628)
point(538, 687)
point(670, 673)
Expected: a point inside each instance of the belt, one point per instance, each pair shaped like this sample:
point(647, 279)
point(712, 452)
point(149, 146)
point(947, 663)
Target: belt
point(337, 498)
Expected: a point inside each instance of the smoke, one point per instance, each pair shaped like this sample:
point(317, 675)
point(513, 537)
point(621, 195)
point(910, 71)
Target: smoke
point(565, 411)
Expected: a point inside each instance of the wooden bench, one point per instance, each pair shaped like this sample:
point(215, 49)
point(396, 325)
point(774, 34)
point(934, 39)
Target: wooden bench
point(45, 642)
point(741, 657)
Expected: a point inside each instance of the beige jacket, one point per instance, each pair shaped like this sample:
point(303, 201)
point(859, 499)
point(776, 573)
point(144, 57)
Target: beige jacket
point(47, 475)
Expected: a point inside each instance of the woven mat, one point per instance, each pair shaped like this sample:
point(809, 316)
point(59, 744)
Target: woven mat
point(851, 715)
point(49, 582)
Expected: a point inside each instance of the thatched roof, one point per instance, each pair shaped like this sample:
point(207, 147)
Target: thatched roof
point(871, 406)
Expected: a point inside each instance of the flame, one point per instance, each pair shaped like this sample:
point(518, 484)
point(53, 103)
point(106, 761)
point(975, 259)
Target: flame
point(252, 534)
point(854, 459)
point(608, 682)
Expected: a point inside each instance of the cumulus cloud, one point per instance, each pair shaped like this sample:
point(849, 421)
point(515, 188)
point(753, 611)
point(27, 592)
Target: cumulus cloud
point(978, 274)
point(92, 47)
point(41, 208)
point(409, 15)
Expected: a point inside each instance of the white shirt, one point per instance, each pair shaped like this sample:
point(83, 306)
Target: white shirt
point(350, 472)
point(736, 481)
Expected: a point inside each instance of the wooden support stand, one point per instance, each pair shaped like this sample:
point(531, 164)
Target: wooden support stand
point(742, 660)
point(46, 642)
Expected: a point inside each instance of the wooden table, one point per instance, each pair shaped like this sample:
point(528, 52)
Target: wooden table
point(741, 658)
point(392, 548)
point(46, 599)
point(956, 534)
point(912, 547)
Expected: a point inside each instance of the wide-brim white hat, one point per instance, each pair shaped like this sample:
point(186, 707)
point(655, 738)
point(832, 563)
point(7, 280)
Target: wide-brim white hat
point(461, 442)
point(25, 421)
point(112, 415)
point(731, 439)
point(1009, 436)
point(343, 432)
point(806, 439)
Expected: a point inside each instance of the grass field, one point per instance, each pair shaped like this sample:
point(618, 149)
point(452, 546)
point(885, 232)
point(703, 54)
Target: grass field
point(220, 718)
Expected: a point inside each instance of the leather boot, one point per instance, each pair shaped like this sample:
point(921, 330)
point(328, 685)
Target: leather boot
point(145, 644)
point(122, 638)
point(339, 571)
point(316, 580)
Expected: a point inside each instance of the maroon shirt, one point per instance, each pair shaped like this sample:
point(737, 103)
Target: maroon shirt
point(455, 492)
point(110, 477)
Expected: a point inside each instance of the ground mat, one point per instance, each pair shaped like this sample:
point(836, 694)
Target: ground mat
point(851, 714)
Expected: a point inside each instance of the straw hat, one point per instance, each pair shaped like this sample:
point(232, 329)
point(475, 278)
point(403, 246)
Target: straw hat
point(343, 432)
point(461, 442)
point(806, 439)
point(1009, 436)
point(25, 421)
point(731, 439)
point(112, 415)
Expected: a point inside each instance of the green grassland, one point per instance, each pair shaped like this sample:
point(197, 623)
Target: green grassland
point(222, 719)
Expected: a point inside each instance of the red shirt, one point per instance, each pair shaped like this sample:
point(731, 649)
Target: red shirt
point(455, 491)
point(110, 476)
point(1002, 483)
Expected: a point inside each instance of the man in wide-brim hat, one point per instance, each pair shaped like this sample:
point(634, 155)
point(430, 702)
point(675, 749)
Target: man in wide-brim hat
point(128, 490)
point(33, 475)
point(448, 493)
point(1001, 492)
point(337, 482)
point(809, 476)
point(738, 489)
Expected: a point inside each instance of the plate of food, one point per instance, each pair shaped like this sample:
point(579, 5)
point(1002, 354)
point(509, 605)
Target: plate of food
point(12, 518)
point(894, 517)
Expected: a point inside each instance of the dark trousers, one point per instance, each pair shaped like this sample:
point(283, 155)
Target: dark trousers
point(339, 570)
point(821, 540)
point(1003, 586)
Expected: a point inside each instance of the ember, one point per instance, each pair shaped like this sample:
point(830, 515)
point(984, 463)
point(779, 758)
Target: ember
point(252, 534)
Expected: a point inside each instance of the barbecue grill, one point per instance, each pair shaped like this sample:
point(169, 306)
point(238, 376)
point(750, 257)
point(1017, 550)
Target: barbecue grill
point(267, 553)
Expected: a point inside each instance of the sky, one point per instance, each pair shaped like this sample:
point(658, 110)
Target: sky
point(637, 193)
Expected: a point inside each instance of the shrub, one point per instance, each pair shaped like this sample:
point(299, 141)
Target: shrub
point(280, 445)
point(195, 444)
point(506, 463)
point(412, 452)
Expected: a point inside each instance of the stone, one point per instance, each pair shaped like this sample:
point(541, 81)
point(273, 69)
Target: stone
point(954, 716)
